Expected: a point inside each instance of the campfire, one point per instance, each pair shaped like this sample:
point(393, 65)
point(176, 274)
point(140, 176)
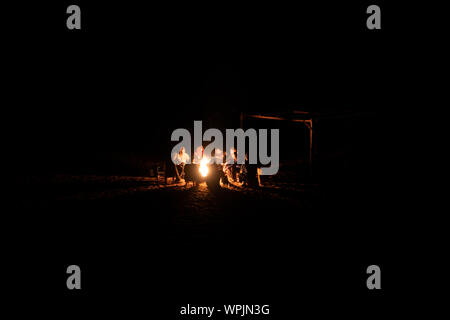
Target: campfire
point(211, 168)
point(204, 167)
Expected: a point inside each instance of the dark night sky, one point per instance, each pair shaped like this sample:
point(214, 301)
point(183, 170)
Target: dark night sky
point(135, 73)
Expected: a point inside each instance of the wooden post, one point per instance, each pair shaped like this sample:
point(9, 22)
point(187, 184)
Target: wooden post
point(316, 139)
point(309, 124)
point(310, 143)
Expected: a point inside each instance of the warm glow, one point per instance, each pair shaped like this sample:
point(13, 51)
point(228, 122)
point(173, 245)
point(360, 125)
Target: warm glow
point(204, 167)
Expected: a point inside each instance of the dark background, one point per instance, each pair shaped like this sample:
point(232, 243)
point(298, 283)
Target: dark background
point(136, 71)
point(131, 75)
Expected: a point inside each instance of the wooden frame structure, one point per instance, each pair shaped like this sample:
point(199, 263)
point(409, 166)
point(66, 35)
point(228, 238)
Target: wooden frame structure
point(304, 117)
point(310, 120)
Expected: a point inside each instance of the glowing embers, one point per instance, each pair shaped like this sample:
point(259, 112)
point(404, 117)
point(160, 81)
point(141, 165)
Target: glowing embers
point(204, 167)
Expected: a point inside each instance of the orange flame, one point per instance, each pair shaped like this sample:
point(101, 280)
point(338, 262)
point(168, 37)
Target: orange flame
point(204, 167)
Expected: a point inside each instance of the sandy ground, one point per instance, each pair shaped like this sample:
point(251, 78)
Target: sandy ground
point(178, 207)
point(42, 191)
point(235, 242)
